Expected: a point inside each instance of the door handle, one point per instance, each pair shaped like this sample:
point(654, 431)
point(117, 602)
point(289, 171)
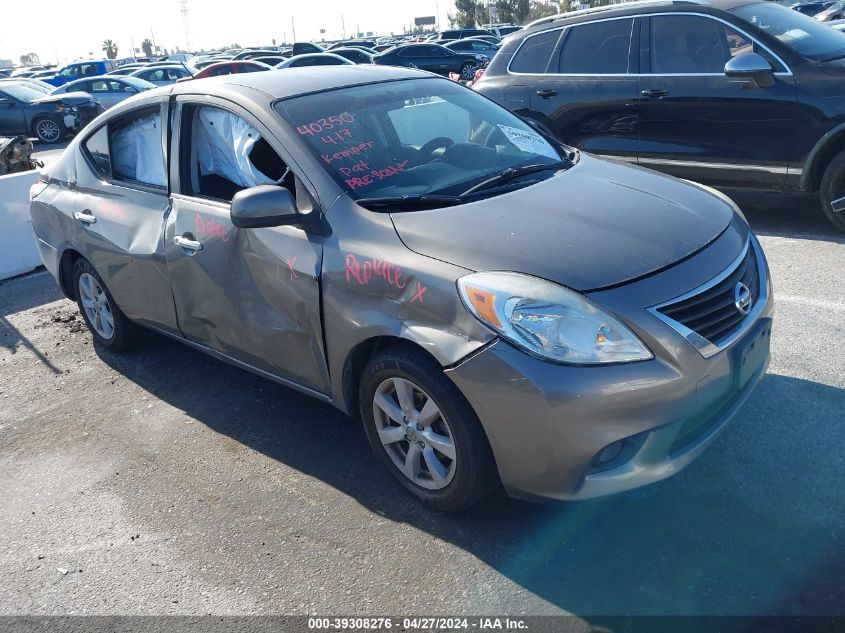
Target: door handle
point(188, 244)
point(654, 93)
point(85, 217)
point(546, 93)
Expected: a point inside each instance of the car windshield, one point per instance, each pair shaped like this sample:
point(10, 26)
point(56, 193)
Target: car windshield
point(414, 137)
point(21, 92)
point(806, 36)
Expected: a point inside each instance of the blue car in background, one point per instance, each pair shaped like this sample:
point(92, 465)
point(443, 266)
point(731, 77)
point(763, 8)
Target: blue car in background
point(79, 70)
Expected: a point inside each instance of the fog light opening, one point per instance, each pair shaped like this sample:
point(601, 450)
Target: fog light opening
point(616, 454)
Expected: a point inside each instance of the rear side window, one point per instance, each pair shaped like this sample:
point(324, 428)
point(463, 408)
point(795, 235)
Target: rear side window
point(97, 147)
point(130, 149)
point(533, 56)
point(599, 48)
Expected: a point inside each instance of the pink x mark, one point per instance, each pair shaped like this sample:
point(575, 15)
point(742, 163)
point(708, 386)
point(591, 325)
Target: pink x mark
point(420, 292)
point(291, 262)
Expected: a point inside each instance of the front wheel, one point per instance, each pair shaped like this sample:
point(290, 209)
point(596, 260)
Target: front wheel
point(832, 192)
point(468, 71)
point(49, 130)
point(423, 429)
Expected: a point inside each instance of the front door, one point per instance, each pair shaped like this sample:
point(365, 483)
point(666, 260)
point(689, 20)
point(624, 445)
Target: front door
point(12, 119)
point(697, 123)
point(588, 93)
point(251, 294)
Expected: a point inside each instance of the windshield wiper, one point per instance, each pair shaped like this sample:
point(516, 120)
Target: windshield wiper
point(413, 200)
point(515, 172)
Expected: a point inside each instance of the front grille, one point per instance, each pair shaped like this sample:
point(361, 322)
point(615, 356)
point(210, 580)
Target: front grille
point(88, 113)
point(712, 313)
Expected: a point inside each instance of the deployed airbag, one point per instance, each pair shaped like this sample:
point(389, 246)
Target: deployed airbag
point(224, 144)
point(137, 152)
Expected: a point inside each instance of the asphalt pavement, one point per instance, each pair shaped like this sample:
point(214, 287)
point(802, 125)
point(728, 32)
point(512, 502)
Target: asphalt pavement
point(167, 482)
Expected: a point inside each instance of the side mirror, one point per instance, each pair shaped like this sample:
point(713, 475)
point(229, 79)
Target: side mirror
point(130, 90)
point(264, 205)
point(751, 67)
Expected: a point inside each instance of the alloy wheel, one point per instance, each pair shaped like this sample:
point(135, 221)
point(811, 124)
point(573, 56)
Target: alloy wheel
point(96, 306)
point(48, 130)
point(414, 433)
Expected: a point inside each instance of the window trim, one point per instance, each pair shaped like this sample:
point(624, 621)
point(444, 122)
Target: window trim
point(119, 182)
point(754, 40)
point(181, 138)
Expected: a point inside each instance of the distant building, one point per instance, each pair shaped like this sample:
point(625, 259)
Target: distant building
point(6, 63)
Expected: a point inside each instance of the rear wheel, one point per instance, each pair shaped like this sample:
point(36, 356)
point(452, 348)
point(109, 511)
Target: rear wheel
point(109, 326)
point(423, 429)
point(48, 130)
point(832, 192)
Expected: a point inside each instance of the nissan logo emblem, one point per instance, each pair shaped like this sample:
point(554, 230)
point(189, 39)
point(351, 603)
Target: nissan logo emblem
point(742, 298)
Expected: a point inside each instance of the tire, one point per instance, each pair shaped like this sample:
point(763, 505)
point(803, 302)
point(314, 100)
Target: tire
point(450, 484)
point(833, 189)
point(48, 130)
point(108, 325)
point(467, 71)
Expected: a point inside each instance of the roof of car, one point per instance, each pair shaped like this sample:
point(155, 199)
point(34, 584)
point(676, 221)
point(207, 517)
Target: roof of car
point(638, 6)
point(291, 82)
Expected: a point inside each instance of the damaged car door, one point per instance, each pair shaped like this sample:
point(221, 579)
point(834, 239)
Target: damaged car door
point(120, 202)
point(249, 294)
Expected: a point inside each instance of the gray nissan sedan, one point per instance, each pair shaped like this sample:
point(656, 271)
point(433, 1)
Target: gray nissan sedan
point(496, 307)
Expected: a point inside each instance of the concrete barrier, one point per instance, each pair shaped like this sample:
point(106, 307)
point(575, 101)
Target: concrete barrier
point(18, 252)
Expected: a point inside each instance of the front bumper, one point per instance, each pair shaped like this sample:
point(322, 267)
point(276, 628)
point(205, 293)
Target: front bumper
point(548, 424)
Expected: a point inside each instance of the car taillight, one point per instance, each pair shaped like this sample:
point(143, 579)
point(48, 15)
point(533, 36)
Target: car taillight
point(38, 187)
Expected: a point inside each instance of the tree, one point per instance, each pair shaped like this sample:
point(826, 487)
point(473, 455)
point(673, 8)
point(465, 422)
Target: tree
point(147, 47)
point(542, 8)
point(110, 49)
point(30, 59)
point(506, 10)
point(468, 12)
point(523, 8)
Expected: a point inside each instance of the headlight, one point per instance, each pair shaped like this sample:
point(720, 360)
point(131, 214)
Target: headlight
point(549, 320)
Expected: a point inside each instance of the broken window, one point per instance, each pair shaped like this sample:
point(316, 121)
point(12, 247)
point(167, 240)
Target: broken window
point(229, 154)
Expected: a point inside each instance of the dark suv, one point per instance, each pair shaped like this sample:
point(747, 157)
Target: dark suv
point(729, 93)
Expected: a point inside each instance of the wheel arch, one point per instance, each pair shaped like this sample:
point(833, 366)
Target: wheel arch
point(820, 156)
point(359, 356)
point(69, 258)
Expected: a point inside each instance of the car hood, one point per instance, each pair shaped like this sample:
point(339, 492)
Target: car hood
point(598, 224)
point(68, 98)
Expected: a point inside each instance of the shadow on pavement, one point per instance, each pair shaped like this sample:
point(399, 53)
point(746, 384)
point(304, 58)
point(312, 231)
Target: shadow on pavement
point(753, 527)
point(20, 294)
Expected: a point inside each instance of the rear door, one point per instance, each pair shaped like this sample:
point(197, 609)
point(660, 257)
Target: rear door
point(120, 209)
point(252, 295)
point(697, 123)
point(588, 92)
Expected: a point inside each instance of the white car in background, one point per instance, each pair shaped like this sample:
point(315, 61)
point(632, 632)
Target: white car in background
point(163, 75)
point(107, 90)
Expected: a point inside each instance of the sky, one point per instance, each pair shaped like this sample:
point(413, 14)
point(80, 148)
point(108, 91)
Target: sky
point(77, 28)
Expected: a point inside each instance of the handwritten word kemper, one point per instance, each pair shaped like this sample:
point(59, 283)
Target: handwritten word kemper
point(209, 227)
point(354, 182)
point(362, 272)
point(329, 123)
point(349, 152)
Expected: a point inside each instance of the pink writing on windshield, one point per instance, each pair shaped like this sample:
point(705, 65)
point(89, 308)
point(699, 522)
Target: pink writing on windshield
point(329, 123)
point(291, 262)
point(374, 175)
point(210, 228)
point(363, 271)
